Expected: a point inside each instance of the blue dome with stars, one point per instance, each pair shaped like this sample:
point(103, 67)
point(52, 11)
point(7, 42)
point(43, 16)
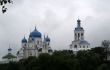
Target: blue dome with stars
point(24, 40)
point(47, 39)
point(36, 33)
point(9, 49)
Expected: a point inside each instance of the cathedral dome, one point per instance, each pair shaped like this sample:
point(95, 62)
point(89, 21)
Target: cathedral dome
point(36, 33)
point(24, 40)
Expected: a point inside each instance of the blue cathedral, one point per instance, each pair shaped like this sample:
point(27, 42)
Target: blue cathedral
point(34, 45)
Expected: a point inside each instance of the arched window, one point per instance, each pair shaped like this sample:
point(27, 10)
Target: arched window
point(83, 46)
point(24, 44)
point(75, 46)
point(48, 44)
point(37, 42)
point(81, 34)
point(78, 36)
point(75, 34)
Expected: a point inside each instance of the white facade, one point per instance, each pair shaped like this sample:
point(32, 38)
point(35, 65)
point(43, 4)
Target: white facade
point(34, 45)
point(79, 42)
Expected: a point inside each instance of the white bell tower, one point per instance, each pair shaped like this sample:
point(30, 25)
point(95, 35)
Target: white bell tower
point(79, 31)
point(79, 42)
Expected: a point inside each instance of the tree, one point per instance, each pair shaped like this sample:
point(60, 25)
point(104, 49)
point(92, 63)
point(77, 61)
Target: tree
point(106, 44)
point(100, 52)
point(103, 67)
point(3, 4)
point(62, 60)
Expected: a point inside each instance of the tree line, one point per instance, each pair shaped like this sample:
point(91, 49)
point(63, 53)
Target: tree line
point(93, 59)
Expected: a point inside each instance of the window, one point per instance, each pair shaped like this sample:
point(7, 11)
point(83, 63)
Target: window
point(75, 34)
point(78, 36)
point(75, 46)
point(48, 44)
point(24, 44)
point(30, 54)
point(81, 34)
point(37, 42)
point(80, 46)
point(83, 46)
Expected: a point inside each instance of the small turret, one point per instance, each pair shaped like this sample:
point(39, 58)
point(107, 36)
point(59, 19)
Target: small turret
point(79, 23)
point(9, 50)
point(47, 40)
point(24, 40)
point(9, 56)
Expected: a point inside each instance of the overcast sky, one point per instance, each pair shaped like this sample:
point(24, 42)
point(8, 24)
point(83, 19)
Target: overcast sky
point(57, 18)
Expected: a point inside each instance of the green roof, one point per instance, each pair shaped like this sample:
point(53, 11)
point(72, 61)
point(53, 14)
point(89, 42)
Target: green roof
point(8, 56)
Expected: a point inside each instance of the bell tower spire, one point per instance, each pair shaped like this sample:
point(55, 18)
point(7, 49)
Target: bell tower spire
point(78, 23)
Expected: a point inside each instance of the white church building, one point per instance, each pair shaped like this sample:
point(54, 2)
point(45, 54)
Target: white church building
point(34, 45)
point(79, 42)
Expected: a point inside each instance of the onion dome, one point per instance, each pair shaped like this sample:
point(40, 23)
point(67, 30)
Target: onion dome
point(47, 39)
point(9, 49)
point(79, 28)
point(24, 40)
point(36, 33)
point(78, 20)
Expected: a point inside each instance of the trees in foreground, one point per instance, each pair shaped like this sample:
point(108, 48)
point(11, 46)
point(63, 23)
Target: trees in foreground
point(106, 46)
point(3, 4)
point(93, 59)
